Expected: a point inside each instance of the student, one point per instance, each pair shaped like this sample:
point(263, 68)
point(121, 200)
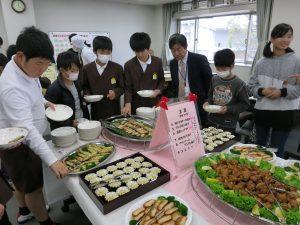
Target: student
point(11, 50)
point(22, 105)
point(228, 91)
point(190, 72)
point(143, 72)
point(65, 90)
point(3, 62)
point(85, 53)
point(276, 91)
point(103, 77)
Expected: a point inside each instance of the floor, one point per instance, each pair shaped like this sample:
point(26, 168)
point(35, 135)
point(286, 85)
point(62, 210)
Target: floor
point(75, 216)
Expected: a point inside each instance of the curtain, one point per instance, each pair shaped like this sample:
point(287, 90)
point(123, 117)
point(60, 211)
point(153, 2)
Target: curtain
point(264, 15)
point(167, 13)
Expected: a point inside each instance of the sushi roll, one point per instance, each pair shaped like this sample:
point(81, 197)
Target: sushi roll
point(152, 176)
point(100, 192)
point(135, 175)
point(219, 142)
point(122, 190)
point(111, 168)
point(125, 178)
point(146, 164)
point(231, 136)
point(111, 196)
point(209, 148)
point(90, 176)
point(121, 165)
point(214, 144)
point(108, 177)
point(142, 180)
point(136, 165)
point(102, 172)
point(114, 183)
point(129, 161)
point(224, 139)
point(128, 169)
point(95, 180)
point(156, 170)
point(132, 185)
point(139, 159)
point(144, 170)
point(118, 173)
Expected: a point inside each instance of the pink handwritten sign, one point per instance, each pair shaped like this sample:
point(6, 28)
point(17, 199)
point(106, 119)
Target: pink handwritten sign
point(180, 125)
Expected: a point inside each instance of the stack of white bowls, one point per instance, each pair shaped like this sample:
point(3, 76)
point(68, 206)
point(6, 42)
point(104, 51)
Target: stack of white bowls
point(64, 136)
point(89, 130)
point(146, 112)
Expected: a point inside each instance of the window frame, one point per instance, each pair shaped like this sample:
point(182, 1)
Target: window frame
point(250, 14)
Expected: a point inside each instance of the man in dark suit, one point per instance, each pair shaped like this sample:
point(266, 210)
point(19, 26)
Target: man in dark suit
point(190, 73)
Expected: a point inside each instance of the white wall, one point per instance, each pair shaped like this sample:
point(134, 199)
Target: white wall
point(3, 34)
point(288, 12)
point(15, 22)
point(121, 20)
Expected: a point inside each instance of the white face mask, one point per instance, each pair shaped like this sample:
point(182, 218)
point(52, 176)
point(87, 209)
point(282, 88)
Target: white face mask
point(103, 58)
point(73, 76)
point(224, 74)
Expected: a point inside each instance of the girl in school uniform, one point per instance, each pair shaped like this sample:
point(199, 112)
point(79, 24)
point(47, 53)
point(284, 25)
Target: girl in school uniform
point(103, 77)
point(143, 72)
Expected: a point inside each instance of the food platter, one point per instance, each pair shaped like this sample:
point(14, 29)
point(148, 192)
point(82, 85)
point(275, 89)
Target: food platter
point(250, 201)
point(114, 184)
point(182, 213)
point(88, 157)
point(146, 126)
point(253, 151)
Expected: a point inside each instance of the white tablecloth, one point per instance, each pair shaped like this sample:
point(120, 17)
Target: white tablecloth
point(56, 190)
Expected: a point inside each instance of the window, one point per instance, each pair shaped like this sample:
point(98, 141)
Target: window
point(208, 35)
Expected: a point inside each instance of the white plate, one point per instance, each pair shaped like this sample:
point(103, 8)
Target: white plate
point(140, 204)
point(253, 145)
point(63, 131)
point(212, 108)
point(145, 93)
point(61, 113)
point(11, 133)
point(93, 98)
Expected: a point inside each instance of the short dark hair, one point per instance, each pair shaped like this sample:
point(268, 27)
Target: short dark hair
point(66, 59)
point(11, 50)
point(45, 82)
point(278, 31)
point(34, 43)
point(1, 41)
point(224, 58)
point(140, 41)
point(71, 35)
point(179, 39)
point(3, 60)
point(102, 42)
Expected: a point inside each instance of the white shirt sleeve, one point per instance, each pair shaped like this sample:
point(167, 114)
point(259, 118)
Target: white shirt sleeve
point(17, 110)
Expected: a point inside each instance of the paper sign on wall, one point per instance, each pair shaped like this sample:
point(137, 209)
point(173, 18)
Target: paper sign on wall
point(180, 125)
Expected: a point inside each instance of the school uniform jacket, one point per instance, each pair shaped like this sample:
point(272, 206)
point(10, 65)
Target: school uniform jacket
point(136, 79)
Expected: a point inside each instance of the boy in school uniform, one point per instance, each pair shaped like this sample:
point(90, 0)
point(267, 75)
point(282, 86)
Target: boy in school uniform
point(228, 91)
point(142, 72)
point(103, 77)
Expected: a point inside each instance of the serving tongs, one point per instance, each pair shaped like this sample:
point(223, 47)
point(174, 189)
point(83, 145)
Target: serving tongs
point(122, 177)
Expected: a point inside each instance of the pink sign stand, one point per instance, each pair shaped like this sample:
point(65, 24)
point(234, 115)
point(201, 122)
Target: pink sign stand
point(179, 125)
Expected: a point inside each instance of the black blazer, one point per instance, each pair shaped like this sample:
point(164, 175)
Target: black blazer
point(199, 75)
point(58, 93)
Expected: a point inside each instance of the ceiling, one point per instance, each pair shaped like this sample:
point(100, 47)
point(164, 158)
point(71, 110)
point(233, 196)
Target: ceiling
point(145, 2)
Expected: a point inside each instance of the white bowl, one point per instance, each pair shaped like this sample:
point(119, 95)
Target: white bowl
point(12, 136)
point(89, 130)
point(61, 113)
point(146, 112)
point(212, 108)
point(145, 93)
point(93, 98)
point(64, 136)
point(155, 196)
